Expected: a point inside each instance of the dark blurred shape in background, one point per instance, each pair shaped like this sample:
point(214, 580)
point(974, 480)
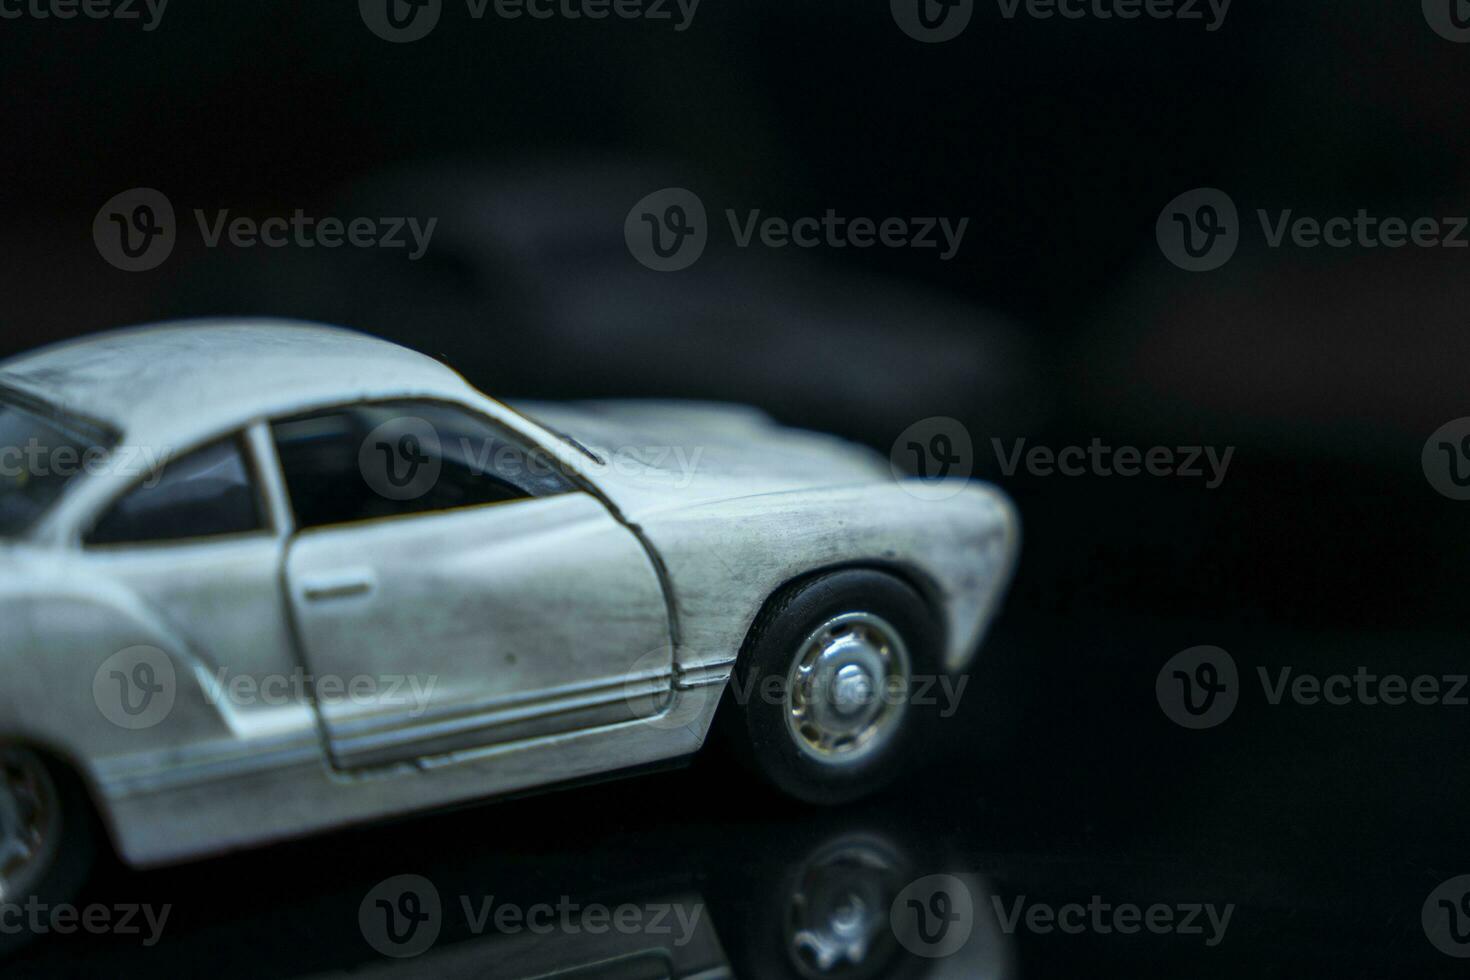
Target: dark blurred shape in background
point(529, 289)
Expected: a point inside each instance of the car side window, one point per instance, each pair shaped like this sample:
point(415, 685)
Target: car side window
point(392, 459)
point(204, 494)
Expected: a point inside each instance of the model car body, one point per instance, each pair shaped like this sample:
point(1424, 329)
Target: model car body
point(262, 579)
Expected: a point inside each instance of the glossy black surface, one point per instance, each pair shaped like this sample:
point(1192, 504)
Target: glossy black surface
point(1049, 793)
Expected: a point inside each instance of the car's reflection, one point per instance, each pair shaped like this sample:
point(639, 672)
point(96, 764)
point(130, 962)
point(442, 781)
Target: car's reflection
point(712, 880)
point(832, 912)
point(837, 911)
point(816, 898)
point(606, 952)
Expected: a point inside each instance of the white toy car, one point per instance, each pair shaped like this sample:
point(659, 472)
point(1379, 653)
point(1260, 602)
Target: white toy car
point(263, 579)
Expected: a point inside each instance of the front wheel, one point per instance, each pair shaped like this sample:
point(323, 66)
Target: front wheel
point(820, 701)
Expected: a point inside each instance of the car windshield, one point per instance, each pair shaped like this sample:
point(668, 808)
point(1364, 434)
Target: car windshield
point(41, 451)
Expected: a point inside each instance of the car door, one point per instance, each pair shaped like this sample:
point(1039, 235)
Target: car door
point(453, 589)
point(197, 543)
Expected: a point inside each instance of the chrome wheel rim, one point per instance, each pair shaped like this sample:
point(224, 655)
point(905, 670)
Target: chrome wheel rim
point(30, 822)
point(847, 689)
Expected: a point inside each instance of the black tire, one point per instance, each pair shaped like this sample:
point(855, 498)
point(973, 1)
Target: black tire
point(755, 727)
point(59, 880)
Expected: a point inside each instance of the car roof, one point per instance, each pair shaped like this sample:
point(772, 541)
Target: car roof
point(189, 379)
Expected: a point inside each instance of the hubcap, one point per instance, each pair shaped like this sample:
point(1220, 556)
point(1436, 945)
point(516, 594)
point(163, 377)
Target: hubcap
point(846, 689)
point(29, 822)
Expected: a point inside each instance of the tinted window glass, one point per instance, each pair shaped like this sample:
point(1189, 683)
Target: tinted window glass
point(395, 458)
point(207, 493)
point(40, 453)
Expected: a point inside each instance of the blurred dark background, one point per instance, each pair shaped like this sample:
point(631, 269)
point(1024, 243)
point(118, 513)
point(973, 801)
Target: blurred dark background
point(1058, 321)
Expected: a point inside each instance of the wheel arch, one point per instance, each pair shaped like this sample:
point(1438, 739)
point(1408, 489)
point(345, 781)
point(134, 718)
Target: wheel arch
point(68, 765)
point(926, 587)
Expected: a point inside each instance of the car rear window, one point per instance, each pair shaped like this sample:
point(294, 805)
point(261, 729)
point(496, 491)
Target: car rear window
point(41, 452)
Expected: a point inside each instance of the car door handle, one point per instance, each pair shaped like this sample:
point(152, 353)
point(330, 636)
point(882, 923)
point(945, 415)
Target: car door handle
point(338, 586)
